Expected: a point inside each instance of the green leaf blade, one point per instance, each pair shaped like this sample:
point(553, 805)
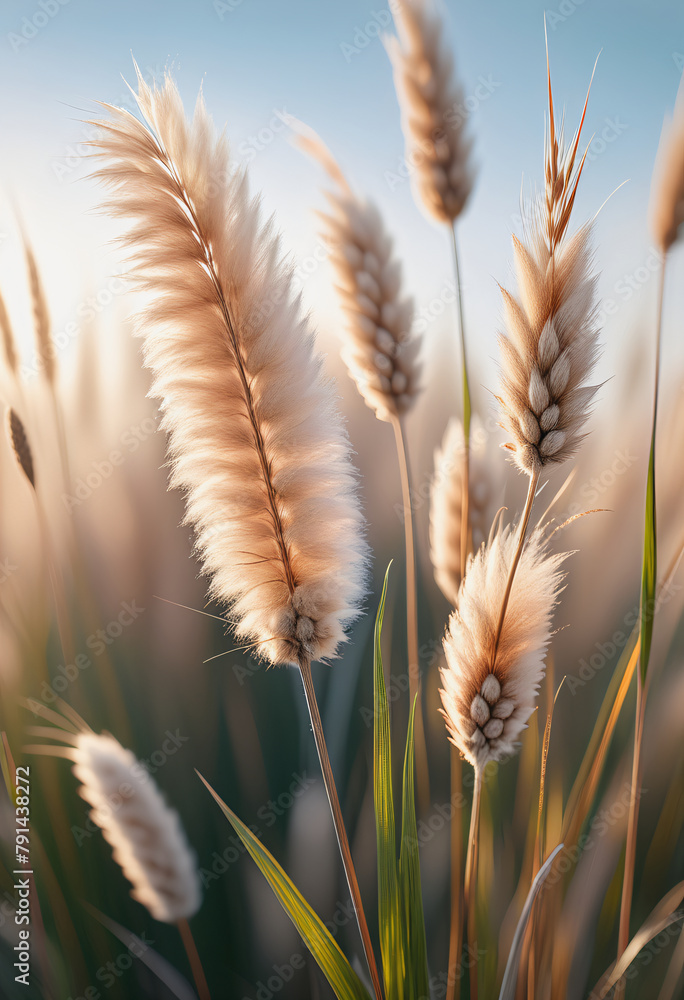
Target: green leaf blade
point(650, 566)
point(409, 877)
point(389, 907)
point(318, 939)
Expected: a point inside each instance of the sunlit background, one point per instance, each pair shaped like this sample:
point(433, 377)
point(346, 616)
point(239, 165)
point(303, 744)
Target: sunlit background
point(256, 62)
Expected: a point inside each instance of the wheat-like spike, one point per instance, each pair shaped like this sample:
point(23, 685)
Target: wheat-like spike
point(41, 315)
point(438, 147)
point(667, 186)
point(551, 342)
point(255, 437)
point(486, 708)
point(379, 351)
point(20, 445)
point(8, 341)
point(446, 496)
point(146, 836)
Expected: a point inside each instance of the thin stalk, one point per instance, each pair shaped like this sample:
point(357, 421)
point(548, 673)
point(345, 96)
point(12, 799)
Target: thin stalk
point(470, 888)
point(522, 530)
point(631, 843)
point(456, 922)
point(194, 960)
point(412, 611)
point(467, 408)
point(338, 821)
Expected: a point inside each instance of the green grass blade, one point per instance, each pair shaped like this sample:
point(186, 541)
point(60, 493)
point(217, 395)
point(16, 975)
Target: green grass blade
point(409, 878)
point(650, 568)
point(316, 936)
point(389, 907)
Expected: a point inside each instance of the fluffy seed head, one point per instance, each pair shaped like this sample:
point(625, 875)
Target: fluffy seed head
point(378, 348)
point(667, 186)
point(488, 699)
point(255, 438)
point(20, 445)
point(551, 341)
point(446, 495)
point(146, 836)
point(7, 336)
point(433, 111)
point(41, 316)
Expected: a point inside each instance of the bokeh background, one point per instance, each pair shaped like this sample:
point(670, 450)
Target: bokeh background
point(243, 727)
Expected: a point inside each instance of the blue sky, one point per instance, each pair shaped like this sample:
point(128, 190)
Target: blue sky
point(324, 63)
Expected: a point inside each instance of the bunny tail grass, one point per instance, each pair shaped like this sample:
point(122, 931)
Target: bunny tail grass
point(437, 143)
point(489, 694)
point(379, 350)
point(255, 438)
point(147, 840)
point(551, 342)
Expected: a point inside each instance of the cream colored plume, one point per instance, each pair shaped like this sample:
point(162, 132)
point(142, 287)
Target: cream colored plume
point(378, 347)
point(438, 148)
point(255, 438)
point(550, 345)
point(488, 694)
point(446, 495)
point(667, 186)
point(146, 836)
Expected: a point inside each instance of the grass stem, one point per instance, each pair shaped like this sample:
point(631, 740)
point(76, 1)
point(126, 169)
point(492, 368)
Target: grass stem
point(338, 821)
point(194, 960)
point(412, 612)
point(470, 887)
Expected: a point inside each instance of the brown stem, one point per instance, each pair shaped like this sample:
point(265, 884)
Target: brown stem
point(465, 485)
point(522, 530)
point(338, 821)
point(194, 959)
point(470, 888)
point(412, 612)
point(456, 922)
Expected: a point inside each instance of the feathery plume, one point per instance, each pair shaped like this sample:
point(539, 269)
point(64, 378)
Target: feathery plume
point(20, 445)
point(438, 147)
point(667, 186)
point(7, 334)
point(41, 315)
point(378, 350)
point(551, 340)
point(146, 836)
point(446, 497)
point(255, 437)
point(488, 694)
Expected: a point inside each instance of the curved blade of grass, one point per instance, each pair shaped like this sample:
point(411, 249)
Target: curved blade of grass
point(389, 905)
point(650, 564)
point(662, 915)
point(510, 979)
point(418, 979)
point(166, 973)
point(344, 981)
